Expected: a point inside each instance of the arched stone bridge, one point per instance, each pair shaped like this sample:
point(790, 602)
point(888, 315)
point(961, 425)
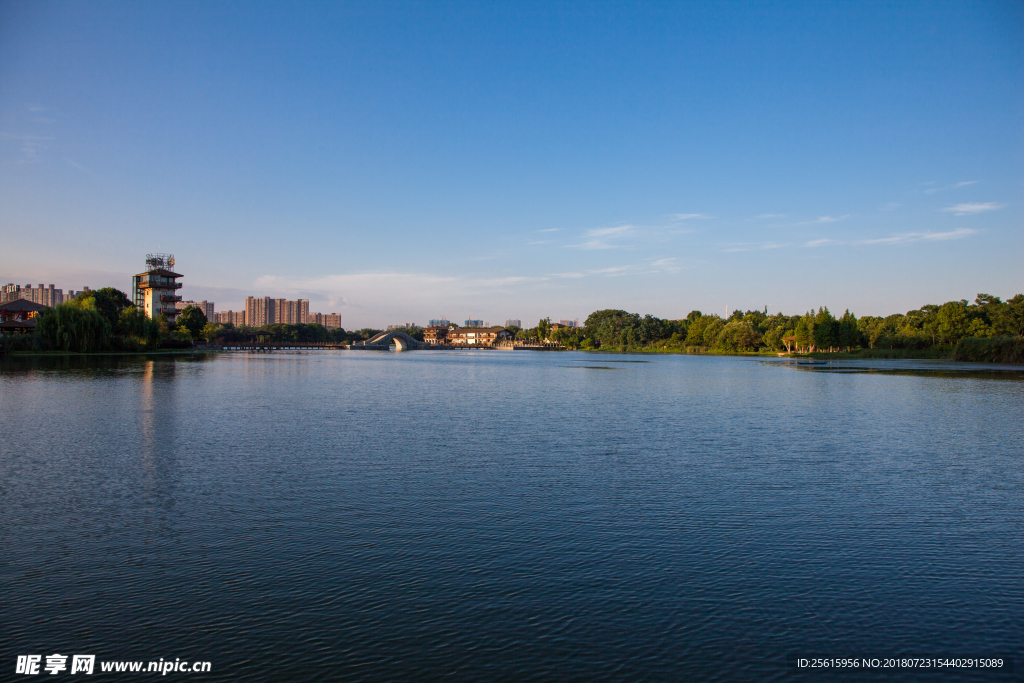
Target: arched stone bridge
point(384, 340)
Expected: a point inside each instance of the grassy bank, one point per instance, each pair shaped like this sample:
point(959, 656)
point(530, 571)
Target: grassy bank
point(991, 349)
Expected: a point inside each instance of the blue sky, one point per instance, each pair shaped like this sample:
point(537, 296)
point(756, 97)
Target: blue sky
point(396, 162)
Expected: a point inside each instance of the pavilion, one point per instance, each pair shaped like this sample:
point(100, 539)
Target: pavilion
point(19, 316)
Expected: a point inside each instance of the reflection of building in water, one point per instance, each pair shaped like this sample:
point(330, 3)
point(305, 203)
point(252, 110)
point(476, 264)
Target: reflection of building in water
point(157, 428)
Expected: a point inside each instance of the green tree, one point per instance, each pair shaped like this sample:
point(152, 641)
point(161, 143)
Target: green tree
point(210, 332)
point(192, 320)
point(608, 326)
point(711, 331)
point(773, 337)
point(697, 324)
point(1015, 315)
point(738, 335)
point(826, 332)
point(998, 314)
point(805, 332)
point(543, 328)
point(136, 326)
point(108, 302)
point(848, 331)
point(953, 321)
point(650, 330)
point(71, 328)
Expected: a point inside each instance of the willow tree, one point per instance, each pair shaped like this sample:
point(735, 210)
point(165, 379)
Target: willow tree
point(70, 328)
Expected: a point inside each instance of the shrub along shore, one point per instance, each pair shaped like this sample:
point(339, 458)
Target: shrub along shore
point(989, 329)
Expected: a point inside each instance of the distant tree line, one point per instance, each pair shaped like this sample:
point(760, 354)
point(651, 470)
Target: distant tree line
point(106, 320)
point(100, 320)
point(987, 329)
point(939, 328)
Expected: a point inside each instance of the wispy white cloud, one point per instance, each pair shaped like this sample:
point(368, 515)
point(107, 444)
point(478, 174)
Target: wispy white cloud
point(962, 183)
point(753, 246)
point(891, 206)
point(969, 209)
point(690, 216)
point(771, 215)
point(903, 238)
point(920, 236)
point(658, 265)
point(548, 230)
point(824, 219)
point(31, 146)
point(424, 290)
point(604, 238)
point(80, 167)
point(420, 290)
point(540, 242)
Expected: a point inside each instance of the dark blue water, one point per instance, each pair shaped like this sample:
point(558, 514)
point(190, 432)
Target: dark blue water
point(509, 515)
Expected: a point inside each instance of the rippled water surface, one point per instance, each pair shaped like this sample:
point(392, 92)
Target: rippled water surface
point(508, 515)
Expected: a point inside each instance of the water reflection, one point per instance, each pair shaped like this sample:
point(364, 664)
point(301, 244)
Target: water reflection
point(352, 516)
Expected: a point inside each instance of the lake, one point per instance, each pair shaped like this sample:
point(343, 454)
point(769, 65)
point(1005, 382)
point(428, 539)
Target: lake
point(510, 515)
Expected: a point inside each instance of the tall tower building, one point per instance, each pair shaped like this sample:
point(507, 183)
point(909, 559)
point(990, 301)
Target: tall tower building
point(154, 291)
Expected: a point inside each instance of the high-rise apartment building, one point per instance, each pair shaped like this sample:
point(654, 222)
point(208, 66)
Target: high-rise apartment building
point(266, 311)
point(281, 312)
point(236, 318)
point(513, 322)
point(46, 296)
point(259, 312)
point(291, 312)
point(328, 320)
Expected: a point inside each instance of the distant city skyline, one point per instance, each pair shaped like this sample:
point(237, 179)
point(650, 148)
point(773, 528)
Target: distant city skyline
point(518, 161)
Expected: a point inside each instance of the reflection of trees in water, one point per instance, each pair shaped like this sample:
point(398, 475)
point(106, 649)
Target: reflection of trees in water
point(88, 365)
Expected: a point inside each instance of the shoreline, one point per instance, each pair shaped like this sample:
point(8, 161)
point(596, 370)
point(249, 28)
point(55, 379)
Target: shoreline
point(73, 354)
point(873, 354)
